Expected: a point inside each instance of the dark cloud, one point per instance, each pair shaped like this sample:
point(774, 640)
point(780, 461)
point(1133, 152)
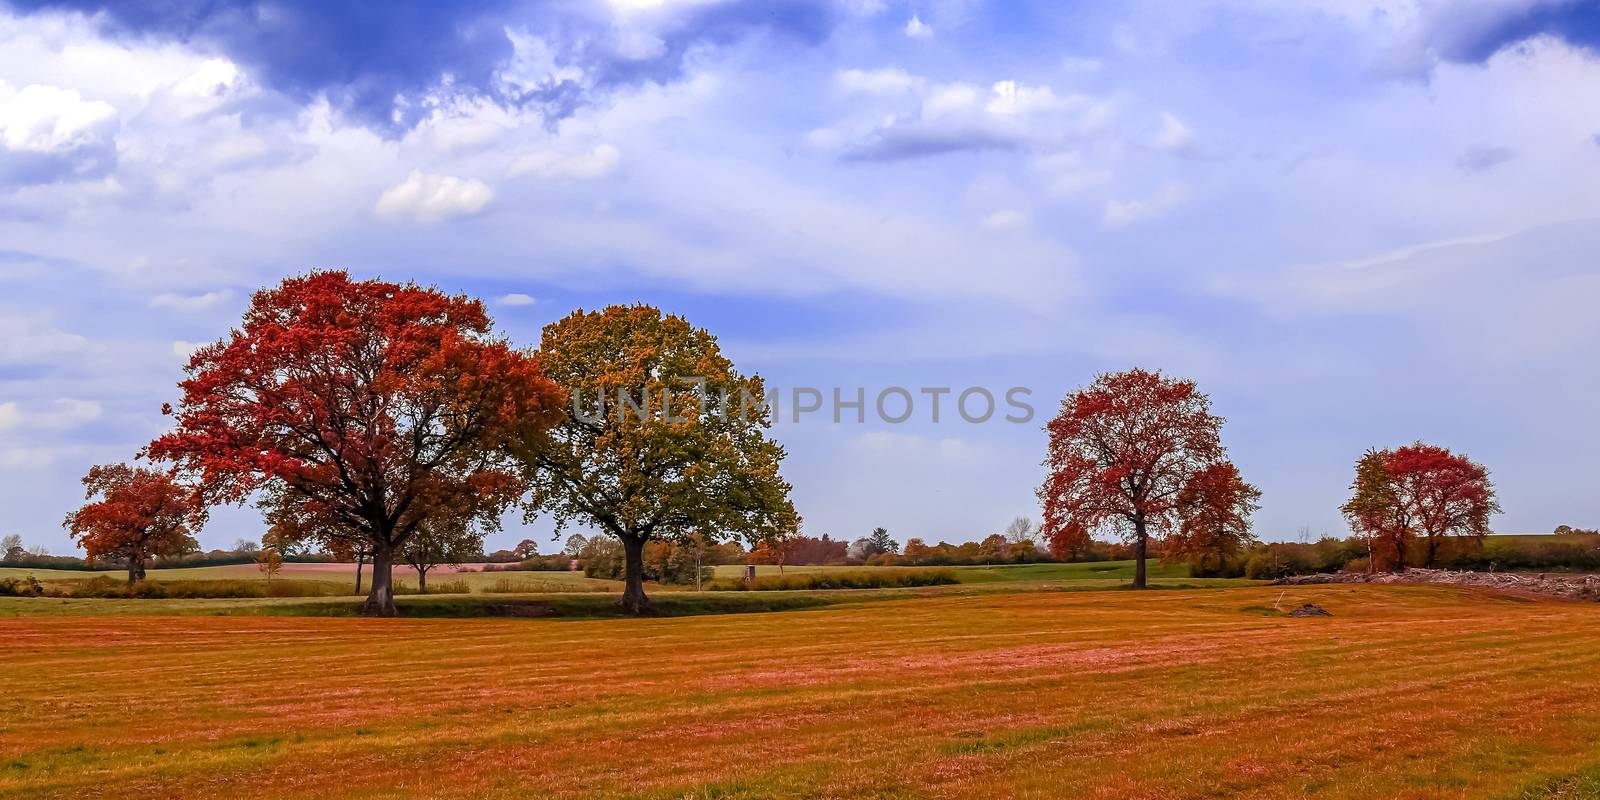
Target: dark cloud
point(373, 60)
point(1473, 34)
point(1483, 159)
point(907, 142)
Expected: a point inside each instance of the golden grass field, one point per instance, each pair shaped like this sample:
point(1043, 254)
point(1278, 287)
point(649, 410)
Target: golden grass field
point(1406, 692)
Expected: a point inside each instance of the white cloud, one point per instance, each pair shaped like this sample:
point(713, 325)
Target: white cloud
point(599, 162)
point(926, 118)
point(1174, 136)
point(887, 81)
point(26, 457)
point(1012, 99)
point(49, 119)
point(29, 341)
point(1119, 213)
point(1007, 219)
point(66, 413)
point(515, 299)
point(183, 350)
point(917, 29)
point(433, 198)
point(195, 302)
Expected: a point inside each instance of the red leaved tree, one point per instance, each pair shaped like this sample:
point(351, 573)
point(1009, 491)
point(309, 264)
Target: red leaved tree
point(360, 410)
point(1121, 452)
point(141, 513)
point(1215, 510)
point(1419, 491)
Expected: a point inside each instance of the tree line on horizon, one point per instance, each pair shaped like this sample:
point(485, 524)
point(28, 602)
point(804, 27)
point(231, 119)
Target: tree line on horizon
point(387, 422)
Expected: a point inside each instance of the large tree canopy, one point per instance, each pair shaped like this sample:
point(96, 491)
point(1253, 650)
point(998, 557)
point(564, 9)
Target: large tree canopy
point(665, 438)
point(1419, 491)
point(135, 514)
point(1122, 451)
point(361, 410)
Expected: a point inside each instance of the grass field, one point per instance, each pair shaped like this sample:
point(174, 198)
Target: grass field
point(974, 692)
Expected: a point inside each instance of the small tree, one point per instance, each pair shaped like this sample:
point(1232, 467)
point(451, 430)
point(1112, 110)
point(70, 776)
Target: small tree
point(1215, 509)
point(665, 438)
point(135, 514)
point(11, 547)
point(440, 541)
point(269, 561)
point(1419, 491)
point(1021, 529)
point(574, 545)
point(882, 543)
point(1121, 451)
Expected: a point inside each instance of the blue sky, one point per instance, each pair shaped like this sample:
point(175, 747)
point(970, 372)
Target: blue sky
point(1354, 223)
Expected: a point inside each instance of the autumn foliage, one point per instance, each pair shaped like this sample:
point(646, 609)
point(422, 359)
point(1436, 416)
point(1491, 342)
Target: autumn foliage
point(661, 442)
point(135, 514)
point(1123, 452)
point(1418, 493)
point(359, 411)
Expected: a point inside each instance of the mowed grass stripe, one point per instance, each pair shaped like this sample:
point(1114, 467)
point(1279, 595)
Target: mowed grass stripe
point(1160, 694)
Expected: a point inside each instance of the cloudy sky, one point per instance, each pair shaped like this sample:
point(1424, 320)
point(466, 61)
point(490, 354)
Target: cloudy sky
point(1355, 223)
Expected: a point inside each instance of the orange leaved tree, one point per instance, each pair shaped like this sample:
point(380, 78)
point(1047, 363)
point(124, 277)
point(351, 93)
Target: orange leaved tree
point(359, 411)
point(135, 514)
point(1122, 451)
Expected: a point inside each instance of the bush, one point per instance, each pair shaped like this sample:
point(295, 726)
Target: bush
point(863, 579)
point(103, 586)
point(511, 586)
point(450, 587)
point(21, 587)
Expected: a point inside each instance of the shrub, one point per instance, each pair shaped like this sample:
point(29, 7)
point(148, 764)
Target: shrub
point(512, 586)
point(862, 579)
point(28, 586)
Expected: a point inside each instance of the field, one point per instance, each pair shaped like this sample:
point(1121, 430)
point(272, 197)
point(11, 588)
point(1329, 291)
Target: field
point(973, 692)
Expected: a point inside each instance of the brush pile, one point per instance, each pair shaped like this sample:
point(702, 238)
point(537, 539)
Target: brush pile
point(1576, 587)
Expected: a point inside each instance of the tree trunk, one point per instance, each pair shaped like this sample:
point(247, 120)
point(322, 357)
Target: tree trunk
point(1141, 549)
point(380, 601)
point(361, 562)
point(633, 599)
point(135, 570)
point(1433, 552)
point(422, 580)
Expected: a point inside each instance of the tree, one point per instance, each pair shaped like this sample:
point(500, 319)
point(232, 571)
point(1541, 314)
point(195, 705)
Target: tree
point(1121, 451)
point(525, 549)
point(1215, 509)
point(11, 547)
point(574, 545)
point(141, 513)
point(665, 438)
point(1021, 529)
point(1419, 491)
point(359, 410)
point(246, 547)
point(269, 561)
point(882, 543)
point(994, 549)
point(440, 540)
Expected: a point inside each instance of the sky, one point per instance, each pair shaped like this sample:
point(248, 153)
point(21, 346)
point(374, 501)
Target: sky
point(1354, 223)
